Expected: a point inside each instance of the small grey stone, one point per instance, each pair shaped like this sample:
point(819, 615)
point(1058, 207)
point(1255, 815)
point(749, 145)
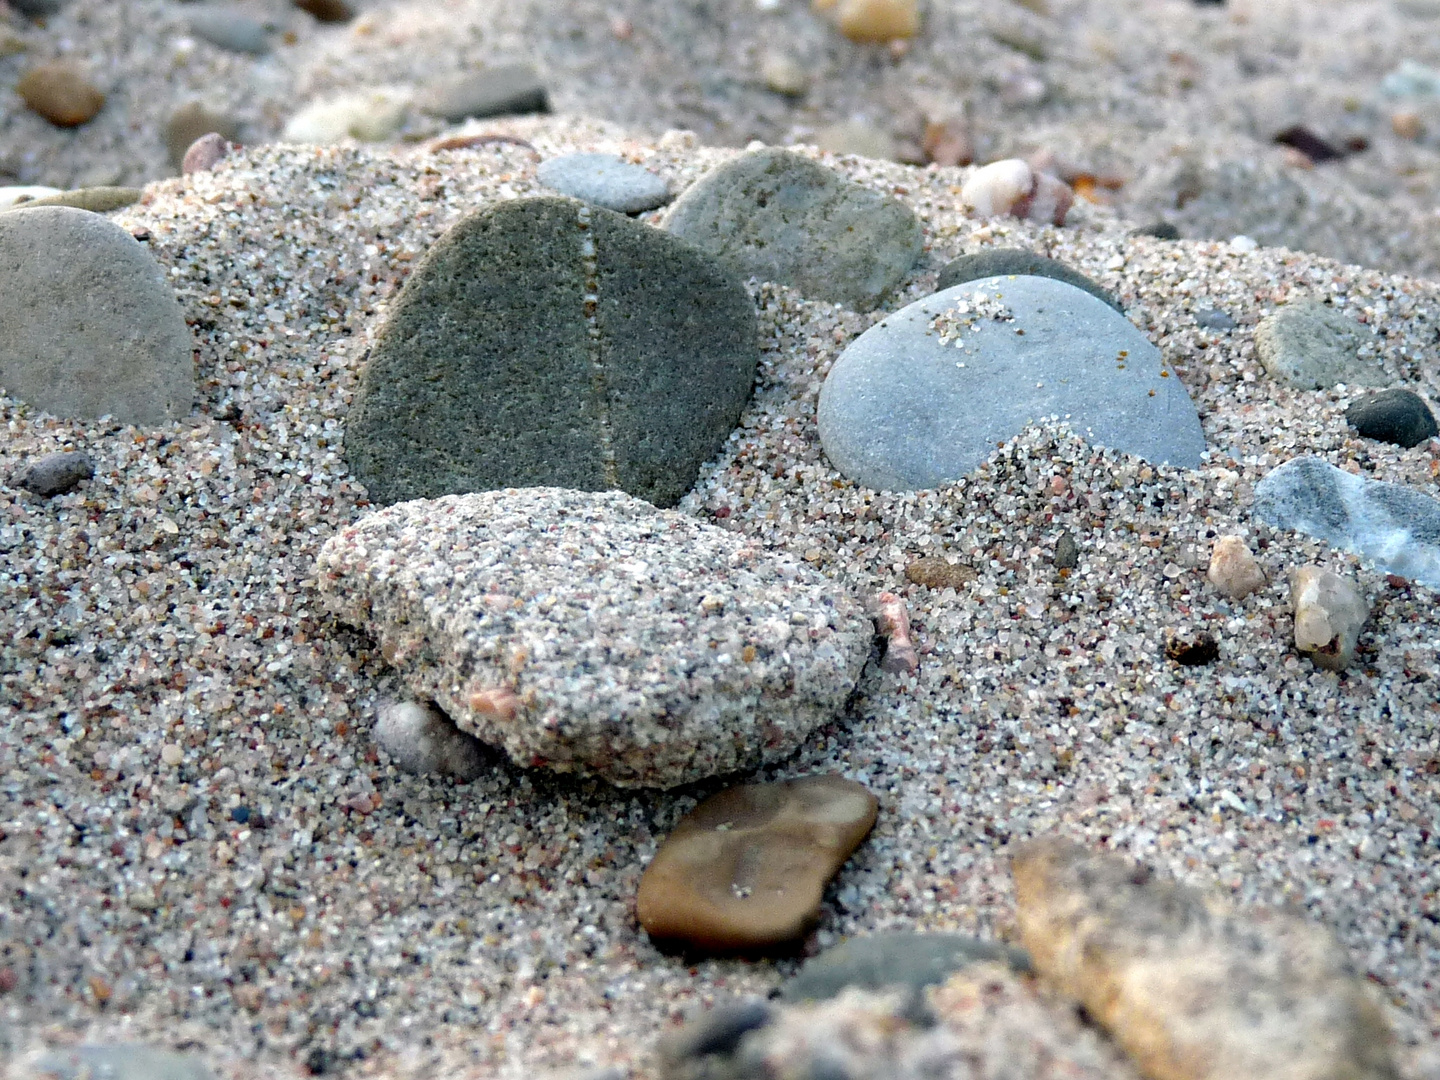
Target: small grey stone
point(1004, 262)
point(1160, 230)
point(715, 1031)
point(781, 217)
point(55, 474)
point(230, 29)
point(1394, 416)
point(92, 328)
point(1312, 346)
point(422, 739)
point(494, 370)
point(118, 1062)
point(510, 90)
point(902, 410)
point(1214, 319)
point(1067, 552)
point(605, 180)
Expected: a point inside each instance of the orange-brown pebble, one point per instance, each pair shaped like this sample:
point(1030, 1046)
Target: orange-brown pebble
point(60, 92)
point(498, 702)
point(1407, 124)
point(747, 867)
point(876, 22)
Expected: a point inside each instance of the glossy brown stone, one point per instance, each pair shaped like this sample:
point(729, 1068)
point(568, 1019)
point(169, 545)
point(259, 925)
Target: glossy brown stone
point(60, 92)
point(747, 867)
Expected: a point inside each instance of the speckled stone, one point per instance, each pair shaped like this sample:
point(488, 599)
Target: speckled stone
point(92, 328)
point(746, 869)
point(605, 180)
point(495, 369)
point(1312, 346)
point(778, 216)
point(1190, 989)
point(1003, 262)
point(56, 474)
point(593, 633)
point(1394, 416)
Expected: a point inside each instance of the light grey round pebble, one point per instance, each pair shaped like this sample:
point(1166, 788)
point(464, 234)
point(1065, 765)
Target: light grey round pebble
point(55, 474)
point(605, 180)
point(230, 29)
point(1214, 319)
point(901, 410)
point(1313, 346)
point(118, 1062)
point(506, 90)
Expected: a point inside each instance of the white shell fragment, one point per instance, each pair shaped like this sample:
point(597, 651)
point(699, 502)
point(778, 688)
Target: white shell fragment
point(1012, 188)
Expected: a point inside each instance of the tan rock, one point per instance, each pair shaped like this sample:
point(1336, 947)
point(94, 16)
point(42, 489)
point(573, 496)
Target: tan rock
point(1190, 989)
point(192, 121)
point(747, 867)
point(1329, 612)
point(858, 138)
point(784, 74)
point(1233, 570)
point(60, 92)
point(877, 21)
point(893, 622)
point(935, 572)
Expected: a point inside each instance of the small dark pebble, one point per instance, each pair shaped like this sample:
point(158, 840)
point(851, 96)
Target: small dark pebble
point(240, 814)
point(1191, 650)
point(327, 11)
point(718, 1031)
point(320, 1062)
point(1161, 230)
point(55, 474)
point(1067, 552)
point(1394, 416)
point(1214, 319)
point(36, 9)
point(1308, 143)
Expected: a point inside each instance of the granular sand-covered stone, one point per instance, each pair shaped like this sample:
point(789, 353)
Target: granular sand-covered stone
point(593, 633)
point(1313, 346)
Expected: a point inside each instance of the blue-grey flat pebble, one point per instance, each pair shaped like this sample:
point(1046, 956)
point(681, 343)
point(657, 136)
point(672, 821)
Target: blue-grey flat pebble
point(1395, 527)
point(895, 958)
point(605, 180)
point(55, 474)
point(230, 29)
point(1214, 319)
point(119, 1062)
point(903, 411)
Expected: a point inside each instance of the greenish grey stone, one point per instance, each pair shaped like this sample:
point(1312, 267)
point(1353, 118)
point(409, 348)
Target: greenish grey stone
point(97, 200)
point(119, 1062)
point(1312, 346)
point(778, 216)
point(543, 342)
point(1007, 262)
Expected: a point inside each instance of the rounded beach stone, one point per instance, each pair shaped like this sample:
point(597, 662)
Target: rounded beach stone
point(1001, 262)
point(61, 93)
point(204, 153)
point(230, 29)
point(422, 739)
point(778, 216)
point(746, 869)
point(508, 90)
point(57, 473)
point(923, 397)
point(1394, 416)
point(1233, 569)
point(371, 115)
point(1312, 346)
point(98, 200)
point(605, 180)
point(192, 121)
point(92, 328)
point(547, 342)
point(1329, 614)
point(593, 633)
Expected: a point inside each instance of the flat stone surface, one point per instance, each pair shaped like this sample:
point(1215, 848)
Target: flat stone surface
point(747, 867)
point(92, 327)
point(117, 1062)
point(1313, 346)
point(98, 200)
point(1004, 262)
point(1395, 527)
point(605, 180)
point(593, 633)
point(506, 90)
point(906, 408)
point(494, 370)
point(1191, 990)
point(1394, 416)
point(778, 216)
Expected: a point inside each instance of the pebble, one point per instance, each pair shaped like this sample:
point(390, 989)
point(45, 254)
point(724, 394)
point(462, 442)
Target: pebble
point(783, 74)
point(892, 620)
point(57, 473)
point(22, 193)
point(1411, 79)
point(1189, 988)
point(594, 633)
point(859, 138)
point(60, 92)
point(948, 142)
point(1160, 230)
point(1233, 569)
point(747, 868)
point(327, 11)
point(1313, 346)
point(1006, 262)
point(230, 29)
point(1395, 527)
point(422, 739)
point(605, 180)
point(1067, 552)
point(935, 572)
point(781, 217)
point(1012, 188)
point(1214, 319)
point(97, 200)
point(1329, 614)
point(716, 1031)
point(37, 9)
point(372, 115)
point(204, 153)
point(92, 328)
point(1191, 648)
point(509, 90)
point(1394, 416)
point(192, 121)
point(877, 22)
point(543, 341)
point(922, 398)
point(118, 1062)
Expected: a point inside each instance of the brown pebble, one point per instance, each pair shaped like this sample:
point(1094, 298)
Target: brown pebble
point(1407, 124)
point(327, 11)
point(192, 120)
point(98, 200)
point(204, 153)
point(746, 869)
point(936, 573)
point(60, 92)
point(947, 143)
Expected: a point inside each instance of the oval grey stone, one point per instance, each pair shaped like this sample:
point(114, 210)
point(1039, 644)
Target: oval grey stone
point(1313, 346)
point(999, 262)
point(230, 29)
point(55, 474)
point(901, 410)
point(781, 217)
point(507, 90)
point(92, 328)
point(605, 180)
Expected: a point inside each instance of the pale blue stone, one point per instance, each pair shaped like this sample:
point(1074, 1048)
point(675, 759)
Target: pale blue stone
point(120, 1062)
point(605, 180)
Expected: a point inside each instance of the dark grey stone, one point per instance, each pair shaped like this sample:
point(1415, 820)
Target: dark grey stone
point(118, 1062)
point(1004, 262)
point(778, 216)
point(509, 90)
point(903, 410)
point(91, 326)
point(605, 180)
point(1394, 416)
point(55, 474)
point(498, 366)
point(1214, 319)
point(717, 1031)
point(1067, 552)
point(1160, 230)
point(37, 9)
point(230, 29)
